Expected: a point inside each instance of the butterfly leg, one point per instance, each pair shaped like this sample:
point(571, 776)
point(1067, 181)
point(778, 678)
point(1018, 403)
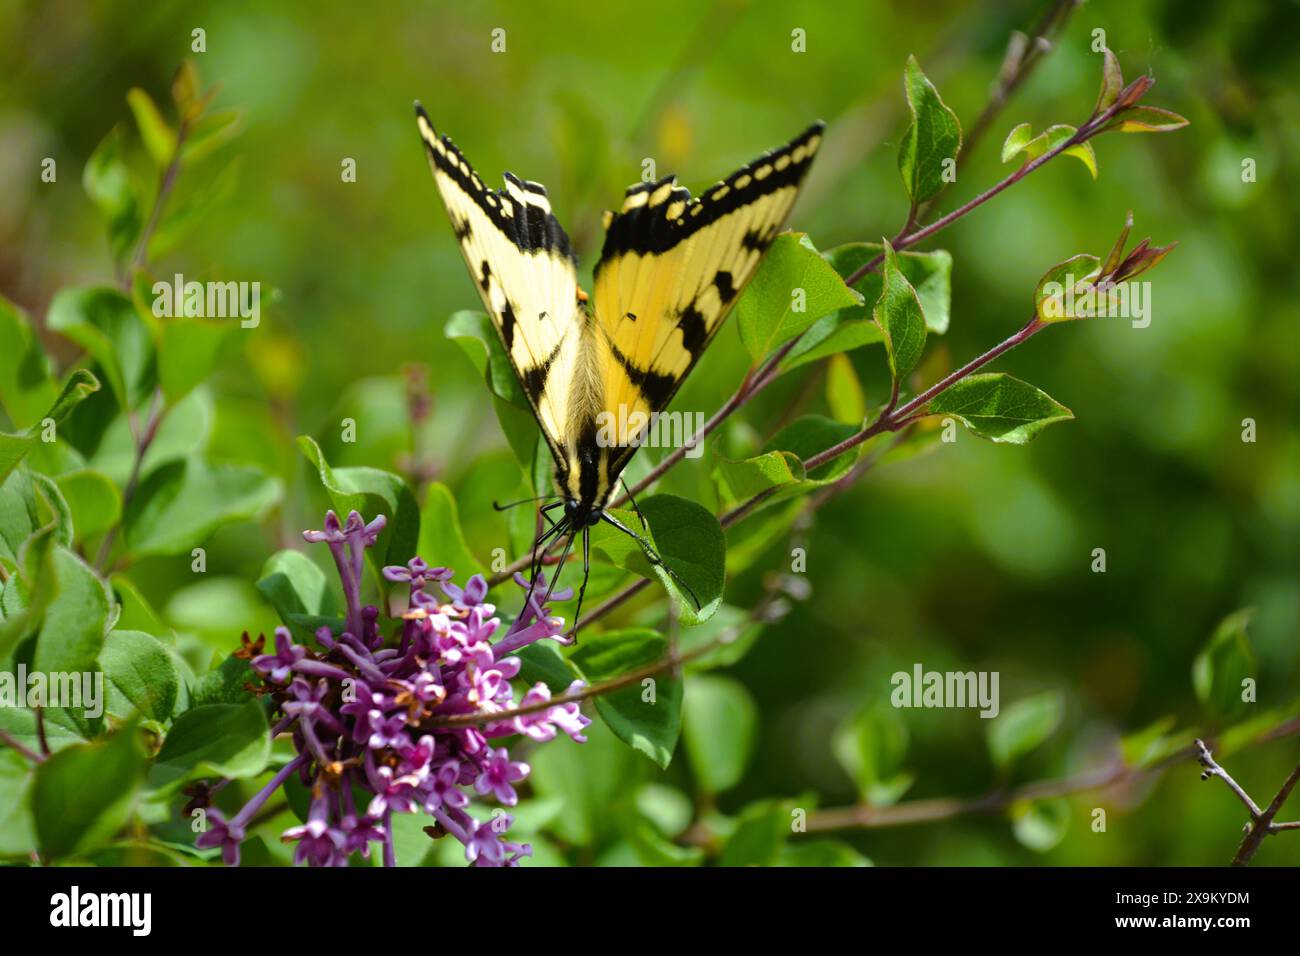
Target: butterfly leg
point(651, 555)
point(547, 509)
point(564, 556)
point(586, 573)
point(628, 492)
point(539, 552)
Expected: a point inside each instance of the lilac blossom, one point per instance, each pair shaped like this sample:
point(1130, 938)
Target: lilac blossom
point(370, 712)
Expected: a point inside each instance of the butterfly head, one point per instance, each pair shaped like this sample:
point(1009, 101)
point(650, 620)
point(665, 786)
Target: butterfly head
point(581, 514)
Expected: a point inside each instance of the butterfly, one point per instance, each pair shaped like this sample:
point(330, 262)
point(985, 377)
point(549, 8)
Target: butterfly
point(670, 270)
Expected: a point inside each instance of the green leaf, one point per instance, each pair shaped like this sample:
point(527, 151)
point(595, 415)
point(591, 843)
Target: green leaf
point(780, 465)
point(1054, 294)
point(297, 588)
point(107, 182)
point(27, 384)
point(544, 662)
point(214, 740)
point(1148, 119)
point(224, 684)
point(476, 335)
point(13, 448)
point(588, 779)
point(141, 669)
point(371, 492)
point(72, 631)
point(760, 835)
point(17, 833)
point(1024, 725)
point(930, 274)
point(1112, 82)
point(1019, 141)
point(720, 731)
point(651, 847)
point(442, 543)
point(810, 435)
point(739, 481)
point(1040, 824)
point(688, 540)
point(93, 499)
point(933, 136)
point(1116, 255)
point(185, 431)
point(844, 394)
point(210, 133)
point(105, 323)
point(793, 288)
point(899, 316)
point(998, 407)
point(669, 809)
point(159, 138)
point(646, 715)
point(178, 506)
point(183, 215)
point(83, 794)
point(1143, 747)
point(871, 747)
point(1223, 665)
point(136, 613)
point(189, 350)
point(53, 507)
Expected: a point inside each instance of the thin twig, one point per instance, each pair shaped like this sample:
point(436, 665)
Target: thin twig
point(1261, 821)
point(157, 409)
point(165, 185)
point(868, 816)
point(671, 661)
point(12, 742)
point(909, 238)
point(1018, 66)
point(1212, 769)
point(40, 731)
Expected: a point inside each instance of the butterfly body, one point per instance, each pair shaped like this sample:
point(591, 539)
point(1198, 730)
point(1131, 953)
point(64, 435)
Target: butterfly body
point(670, 269)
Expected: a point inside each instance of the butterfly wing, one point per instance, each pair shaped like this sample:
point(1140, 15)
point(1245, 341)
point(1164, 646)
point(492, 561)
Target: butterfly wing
point(672, 267)
point(520, 259)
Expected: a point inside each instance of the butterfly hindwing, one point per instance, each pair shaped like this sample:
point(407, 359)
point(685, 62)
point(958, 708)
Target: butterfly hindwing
point(521, 262)
point(672, 267)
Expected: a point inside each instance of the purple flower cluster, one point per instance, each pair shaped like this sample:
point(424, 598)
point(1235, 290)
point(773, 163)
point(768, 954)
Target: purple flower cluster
point(417, 723)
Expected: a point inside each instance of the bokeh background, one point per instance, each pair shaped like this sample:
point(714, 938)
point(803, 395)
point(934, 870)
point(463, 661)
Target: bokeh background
point(975, 556)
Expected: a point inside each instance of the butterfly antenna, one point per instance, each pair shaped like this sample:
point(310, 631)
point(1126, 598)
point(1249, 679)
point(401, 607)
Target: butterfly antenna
point(522, 501)
point(652, 556)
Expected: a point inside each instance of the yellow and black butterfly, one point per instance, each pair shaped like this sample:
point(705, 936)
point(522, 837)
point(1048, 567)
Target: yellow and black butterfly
point(670, 270)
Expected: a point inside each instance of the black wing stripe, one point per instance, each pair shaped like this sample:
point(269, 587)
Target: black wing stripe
point(647, 228)
point(530, 226)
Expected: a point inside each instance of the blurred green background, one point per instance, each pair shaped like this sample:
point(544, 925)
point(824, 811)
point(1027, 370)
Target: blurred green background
point(975, 556)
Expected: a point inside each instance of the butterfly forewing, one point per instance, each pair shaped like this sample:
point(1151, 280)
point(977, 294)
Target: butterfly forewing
point(672, 267)
point(521, 262)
